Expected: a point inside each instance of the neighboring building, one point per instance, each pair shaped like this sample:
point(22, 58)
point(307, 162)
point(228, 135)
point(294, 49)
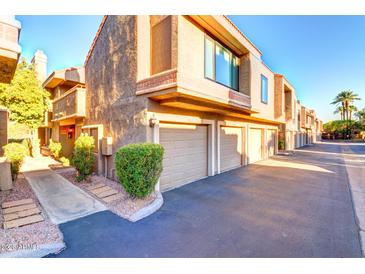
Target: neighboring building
point(194, 84)
point(9, 56)
point(64, 119)
point(9, 47)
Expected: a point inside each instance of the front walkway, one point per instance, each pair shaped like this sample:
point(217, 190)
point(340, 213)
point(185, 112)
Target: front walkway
point(288, 206)
point(61, 200)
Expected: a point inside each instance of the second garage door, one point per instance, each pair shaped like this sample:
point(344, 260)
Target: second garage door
point(255, 145)
point(186, 154)
point(230, 147)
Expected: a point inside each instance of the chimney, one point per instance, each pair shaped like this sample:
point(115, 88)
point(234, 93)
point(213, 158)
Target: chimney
point(40, 65)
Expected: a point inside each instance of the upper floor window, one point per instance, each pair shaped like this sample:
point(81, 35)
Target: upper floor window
point(264, 90)
point(221, 65)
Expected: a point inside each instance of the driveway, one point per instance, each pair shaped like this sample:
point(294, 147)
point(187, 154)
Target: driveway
point(287, 206)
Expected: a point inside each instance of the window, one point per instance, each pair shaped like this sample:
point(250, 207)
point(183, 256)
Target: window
point(220, 64)
point(264, 90)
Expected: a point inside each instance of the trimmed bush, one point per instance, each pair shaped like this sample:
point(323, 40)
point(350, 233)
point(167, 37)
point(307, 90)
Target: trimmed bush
point(15, 153)
point(138, 168)
point(83, 159)
point(65, 161)
point(281, 145)
point(55, 149)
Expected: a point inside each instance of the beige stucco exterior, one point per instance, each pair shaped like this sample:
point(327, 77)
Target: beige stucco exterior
point(145, 82)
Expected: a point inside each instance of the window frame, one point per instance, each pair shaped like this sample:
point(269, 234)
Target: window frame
point(263, 77)
point(214, 41)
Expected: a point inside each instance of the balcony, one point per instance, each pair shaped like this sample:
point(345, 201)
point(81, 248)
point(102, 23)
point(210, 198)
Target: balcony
point(70, 105)
point(170, 88)
point(9, 47)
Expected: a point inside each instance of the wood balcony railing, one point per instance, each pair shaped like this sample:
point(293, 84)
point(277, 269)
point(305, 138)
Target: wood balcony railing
point(70, 105)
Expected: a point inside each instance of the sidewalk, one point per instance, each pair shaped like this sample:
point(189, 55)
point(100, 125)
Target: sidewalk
point(355, 166)
point(61, 200)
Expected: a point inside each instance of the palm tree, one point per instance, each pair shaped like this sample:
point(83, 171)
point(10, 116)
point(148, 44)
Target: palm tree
point(351, 110)
point(345, 98)
point(360, 114)
point(341, 111)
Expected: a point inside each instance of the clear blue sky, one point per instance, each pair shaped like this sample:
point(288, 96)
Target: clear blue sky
point(320, 55)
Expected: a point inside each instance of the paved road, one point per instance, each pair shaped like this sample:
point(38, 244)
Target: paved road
point(288, 206)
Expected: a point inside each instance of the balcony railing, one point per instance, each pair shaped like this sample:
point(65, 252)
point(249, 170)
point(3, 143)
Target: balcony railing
point(9, 47)
point(172, 88)
point(70, 105)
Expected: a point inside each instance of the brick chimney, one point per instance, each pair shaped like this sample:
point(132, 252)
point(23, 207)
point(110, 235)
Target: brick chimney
point(39, 61)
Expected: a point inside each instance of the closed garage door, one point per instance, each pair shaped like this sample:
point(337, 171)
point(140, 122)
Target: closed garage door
point(186, 154)
point(255, 145)
point(230, 147)
point(271, 139)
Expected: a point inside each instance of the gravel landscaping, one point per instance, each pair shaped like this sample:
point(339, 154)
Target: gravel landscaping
point(29, 237)
point(124, 207)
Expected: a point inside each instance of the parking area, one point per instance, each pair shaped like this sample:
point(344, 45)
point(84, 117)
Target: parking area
point(288, 206)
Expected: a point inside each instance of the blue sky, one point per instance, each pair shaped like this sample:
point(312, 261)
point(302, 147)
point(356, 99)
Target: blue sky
point(320, 55)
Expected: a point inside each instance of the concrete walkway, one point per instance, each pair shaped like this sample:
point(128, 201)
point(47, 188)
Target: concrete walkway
point(61, 200)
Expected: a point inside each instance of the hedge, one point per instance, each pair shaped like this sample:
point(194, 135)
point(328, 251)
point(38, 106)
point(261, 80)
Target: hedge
point(83, 156)
point(138, 168)
point(15, 153)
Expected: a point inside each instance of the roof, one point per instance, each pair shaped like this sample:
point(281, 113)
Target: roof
point(102, 23)
point(73, 75)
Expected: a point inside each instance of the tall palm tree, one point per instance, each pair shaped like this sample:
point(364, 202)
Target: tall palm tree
point(360, 114)
point(341, 111)
point(345, 99)
point(351, 110)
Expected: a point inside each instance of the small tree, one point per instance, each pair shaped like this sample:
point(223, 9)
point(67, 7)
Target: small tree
point(84, 158)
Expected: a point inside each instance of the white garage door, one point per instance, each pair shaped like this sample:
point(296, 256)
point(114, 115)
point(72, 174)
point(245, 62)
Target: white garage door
point(186, 154)
point(255, 145)
point(271, 139)
point(230, 147)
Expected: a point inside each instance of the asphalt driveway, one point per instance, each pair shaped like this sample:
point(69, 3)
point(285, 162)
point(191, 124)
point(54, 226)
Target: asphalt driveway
point(288, 206)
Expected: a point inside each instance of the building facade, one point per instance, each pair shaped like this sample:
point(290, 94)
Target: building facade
point(194, 84)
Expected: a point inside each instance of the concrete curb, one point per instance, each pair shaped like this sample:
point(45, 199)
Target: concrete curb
point(358, 199)
point(41, 251)
point(148, 210)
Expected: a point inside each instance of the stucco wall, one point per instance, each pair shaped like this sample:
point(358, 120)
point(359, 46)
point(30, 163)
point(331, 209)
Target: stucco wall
point(111, 74)
point(265, 110)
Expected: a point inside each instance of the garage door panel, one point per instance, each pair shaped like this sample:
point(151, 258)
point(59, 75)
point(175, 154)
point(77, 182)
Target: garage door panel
point(186, 154)
point(255, 145)
point(230, 147)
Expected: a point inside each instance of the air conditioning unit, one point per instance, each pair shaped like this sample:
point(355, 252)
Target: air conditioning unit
point(106, 146)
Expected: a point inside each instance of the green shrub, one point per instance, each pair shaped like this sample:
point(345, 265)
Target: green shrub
point(55, 149)
point(15, 153)
point(84, 158)
point(281, 145)
point(138, 168)
point(65, 161)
